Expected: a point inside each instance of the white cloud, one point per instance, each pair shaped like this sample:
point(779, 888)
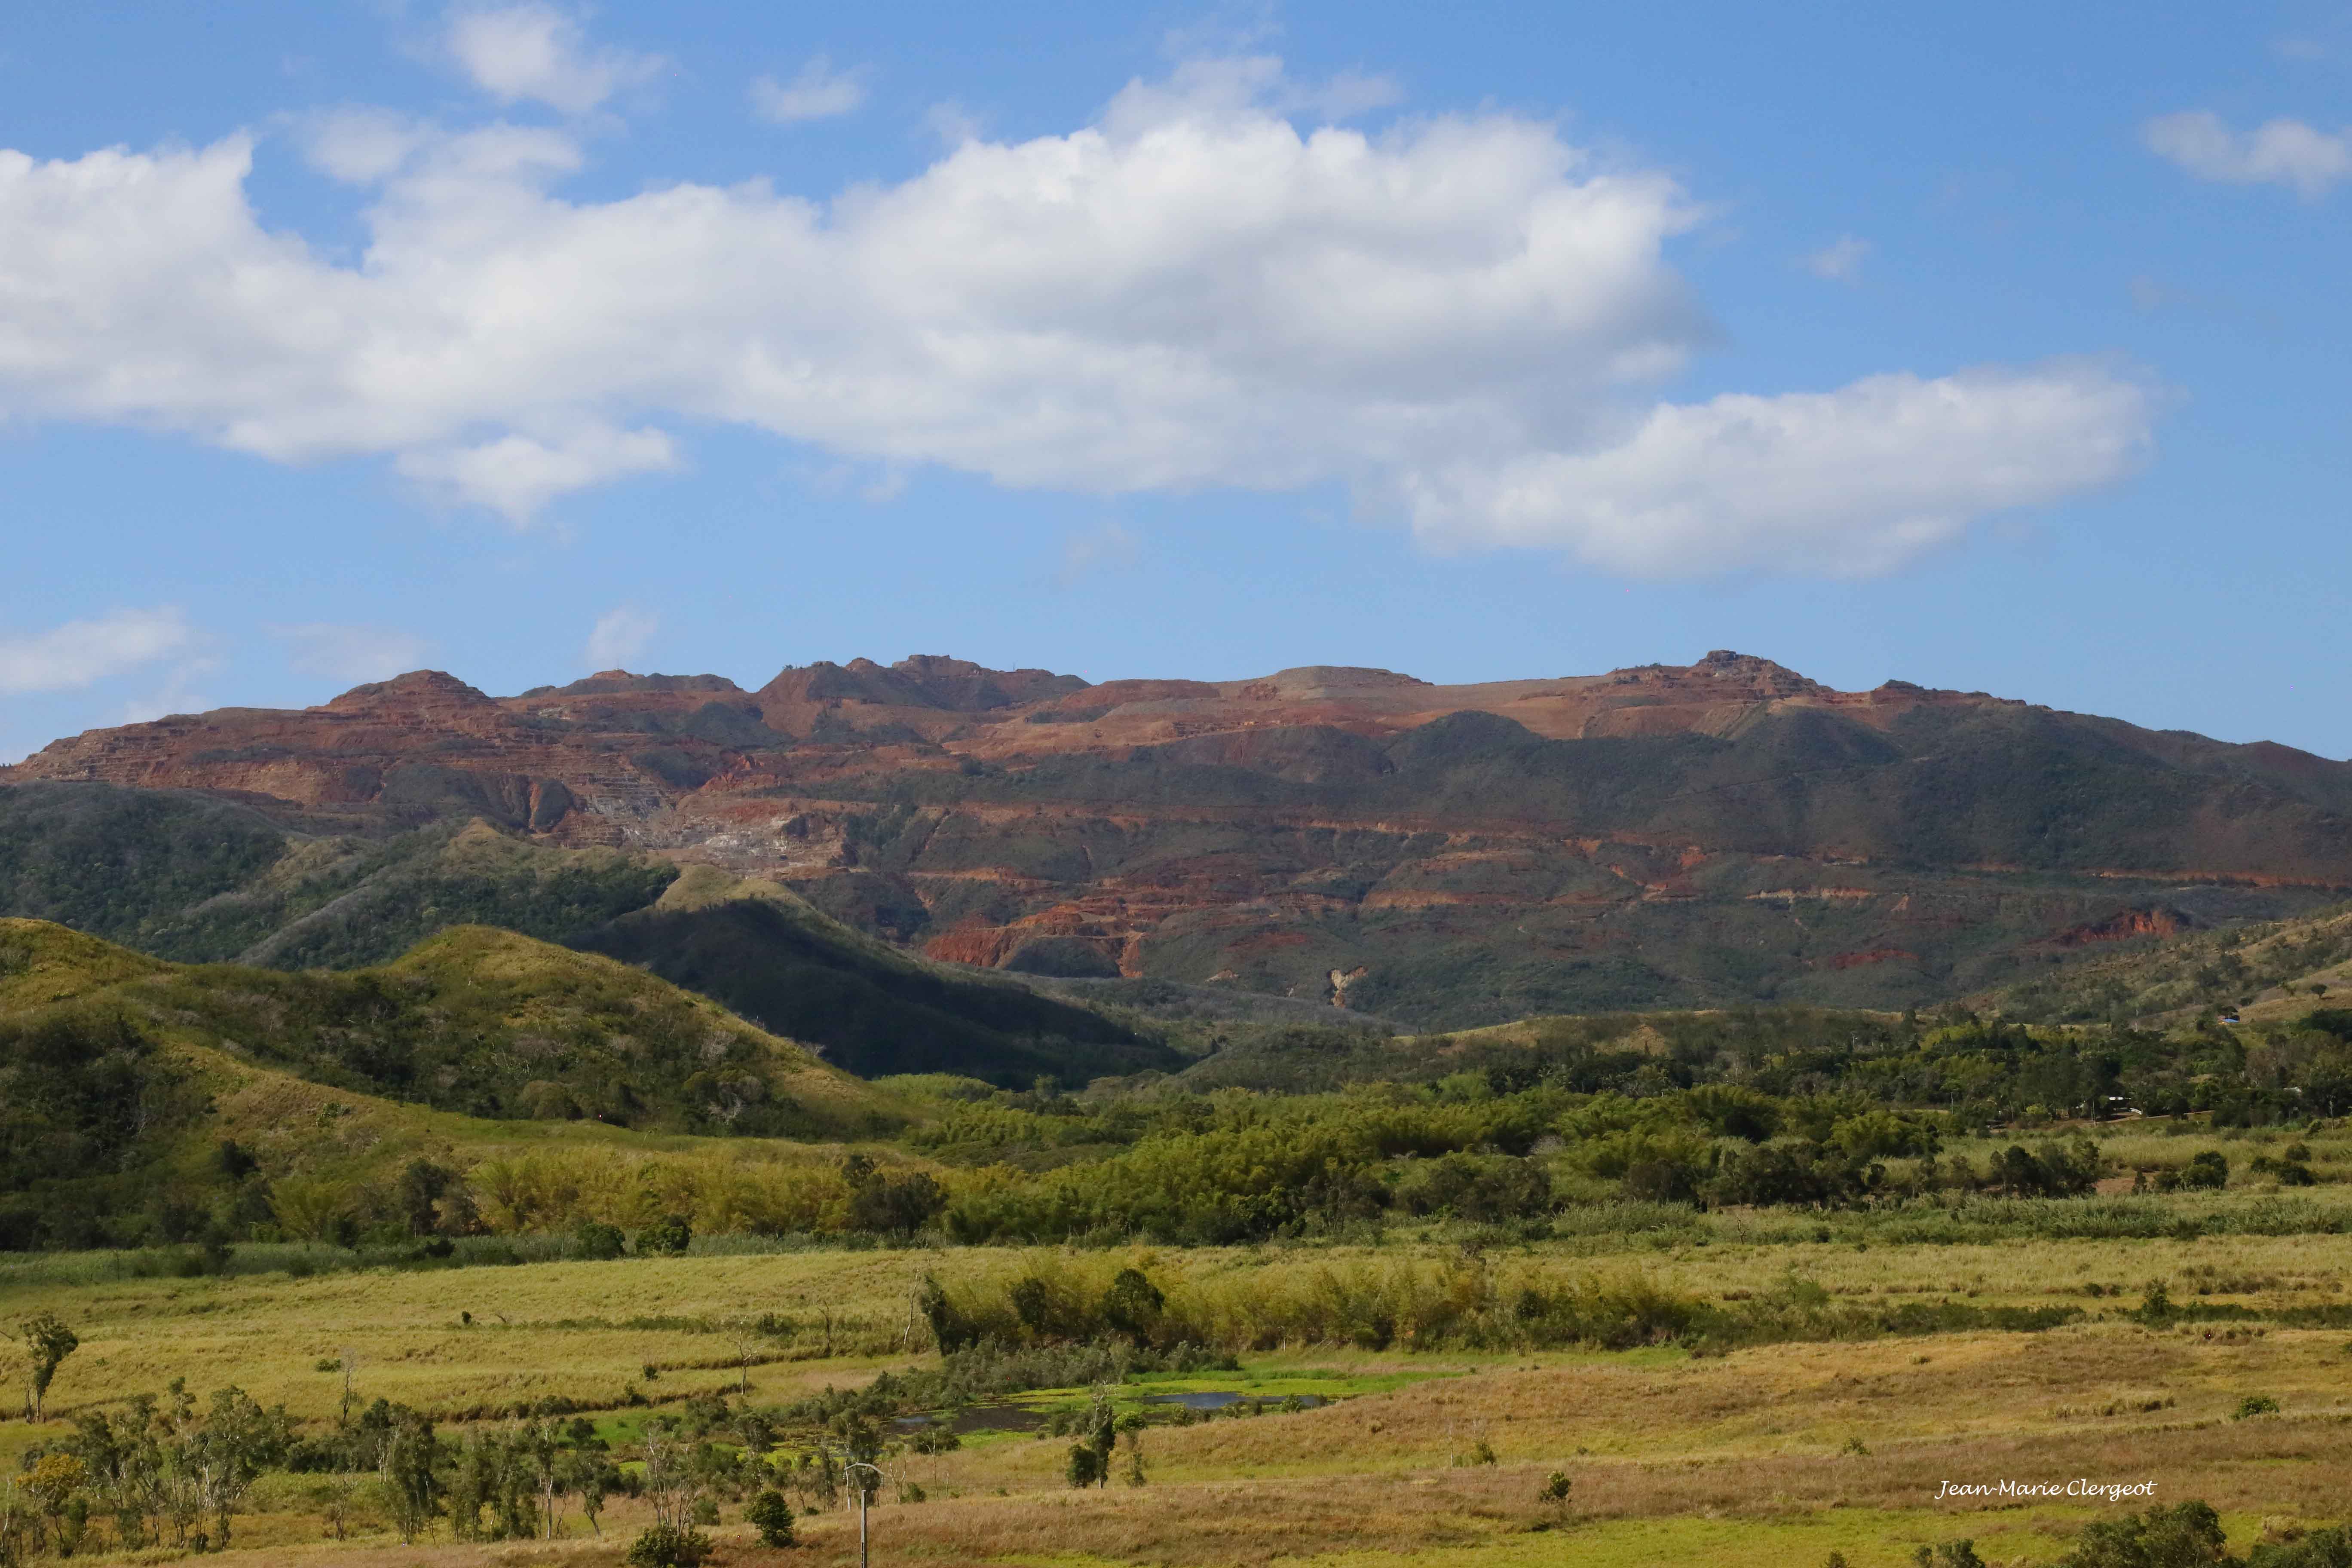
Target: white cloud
point(1345, 96)
point(1194, 291)
point(1840, 262)
point(363, 145)
point(518, 475)
point(819, 92)
point(2278, 153)
point(352, 653)
point(83, 653)
point(534, 51)
point(1846, 483)
point(620, 636)
point(952, 124)
point(178, 694)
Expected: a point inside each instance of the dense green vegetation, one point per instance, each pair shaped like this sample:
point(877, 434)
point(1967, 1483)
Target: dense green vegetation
point(127, 865)
point(192, 879)
point(86, 1098)
point(775, 961)
point(109, 1066)
point(1285, 1130)
point(2203, 972)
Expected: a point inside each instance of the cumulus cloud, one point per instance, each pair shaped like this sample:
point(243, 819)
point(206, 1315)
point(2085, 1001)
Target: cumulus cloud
point(83, 653)
point(1204, 287)
point(1840, 262)
point(1848, 482)
point(620, 636)
point(818, 92)
point(352, 653)
point(517, 474)
point(2277, 153)
point(535, 52)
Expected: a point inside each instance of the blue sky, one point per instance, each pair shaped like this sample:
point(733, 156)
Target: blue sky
point(1998, 349)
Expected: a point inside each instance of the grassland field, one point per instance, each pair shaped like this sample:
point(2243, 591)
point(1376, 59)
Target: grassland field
point(1764, 1454)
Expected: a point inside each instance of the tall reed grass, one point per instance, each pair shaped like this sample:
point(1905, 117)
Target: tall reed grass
point(1467, 1303)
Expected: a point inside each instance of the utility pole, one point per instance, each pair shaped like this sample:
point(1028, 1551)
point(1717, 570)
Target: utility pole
point(849, 1470)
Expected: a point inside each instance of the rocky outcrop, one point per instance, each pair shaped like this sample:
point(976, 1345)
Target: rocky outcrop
point(2123, 926)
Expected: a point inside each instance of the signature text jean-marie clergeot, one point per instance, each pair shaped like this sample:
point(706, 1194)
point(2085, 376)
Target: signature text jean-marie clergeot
point(2112, 1491)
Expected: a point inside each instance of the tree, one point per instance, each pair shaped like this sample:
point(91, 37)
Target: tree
point(52, 1480)
point(598, 1242)
point(1132, 1305)
point(2185, 1535)
point(1133, 1440)
point(669, 1236)
point(1089, 1461)
point(541, 1442)
point(1084, 1468)
point(592, 1479)
point(772, 1516)
point(408, 1465)
point(47, 1342)
point(422, 1186)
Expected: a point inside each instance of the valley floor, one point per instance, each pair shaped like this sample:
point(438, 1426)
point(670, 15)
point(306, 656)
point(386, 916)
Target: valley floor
point(1773, 1454)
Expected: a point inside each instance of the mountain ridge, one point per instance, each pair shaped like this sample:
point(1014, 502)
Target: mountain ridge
point(1657, 834)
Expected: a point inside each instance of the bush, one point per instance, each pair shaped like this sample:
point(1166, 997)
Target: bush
point(2329, 1548)
point(670, 1546)
point(1800, 1172)
point(2254, 1404)
point(2187, 1532)
point(667, 1237)
point(1084, 1468)
point(2207, 1172)
point(596, 1241)
point(1949, 1554)
point(772, 1517)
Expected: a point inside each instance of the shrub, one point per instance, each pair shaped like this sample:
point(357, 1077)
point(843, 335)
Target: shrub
point(1084, 1469)
point(1132, 1305)
point(597, 1241)
point(669, 1546)
point(2187, 1532)
point(1949, 1554)
point(667, 1237)
point(2254, 1404)
point(2206, 1173)
point(2329, 1548)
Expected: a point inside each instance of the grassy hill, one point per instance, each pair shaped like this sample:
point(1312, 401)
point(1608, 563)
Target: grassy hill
point(124, 1081)
point(197, 880)
point(771, 957)
point(2270, 973)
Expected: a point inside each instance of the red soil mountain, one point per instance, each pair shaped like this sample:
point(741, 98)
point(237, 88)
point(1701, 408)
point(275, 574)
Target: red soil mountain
point(1723, 830)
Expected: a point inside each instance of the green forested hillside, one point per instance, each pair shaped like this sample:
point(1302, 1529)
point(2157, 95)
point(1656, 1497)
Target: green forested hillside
point(2266, 971)
point(199, 880)
point(109, 1063)
point(772, 959)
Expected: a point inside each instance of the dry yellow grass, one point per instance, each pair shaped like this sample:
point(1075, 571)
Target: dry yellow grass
point(1739, 1458)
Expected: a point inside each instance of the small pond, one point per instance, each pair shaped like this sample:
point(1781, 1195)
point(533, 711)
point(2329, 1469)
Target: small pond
point(1004, 1415)
point(1218, 1398)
